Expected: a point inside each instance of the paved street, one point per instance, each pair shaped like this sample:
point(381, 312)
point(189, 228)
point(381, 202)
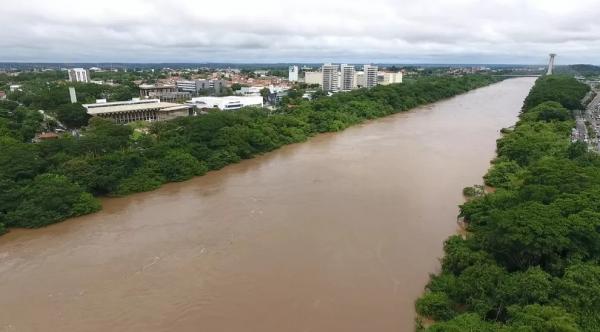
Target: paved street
point(587, 124)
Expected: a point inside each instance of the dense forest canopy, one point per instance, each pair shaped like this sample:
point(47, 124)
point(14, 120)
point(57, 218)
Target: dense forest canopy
point(529, 261)
point(53, 180)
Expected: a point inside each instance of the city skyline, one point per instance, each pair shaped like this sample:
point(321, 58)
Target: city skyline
point(267, 31)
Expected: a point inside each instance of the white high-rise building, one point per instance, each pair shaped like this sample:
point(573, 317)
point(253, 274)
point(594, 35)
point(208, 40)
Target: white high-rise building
point(370, 75)
point(347, 77)
point(79, 75)
point(359, 79)
point(313, 77)
point(330, 77)
point(293, 74)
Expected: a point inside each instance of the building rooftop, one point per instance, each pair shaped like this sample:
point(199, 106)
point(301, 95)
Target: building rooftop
point(104, 103)
point(225, 98)
point(156, 86)
point(163, 106)
point(46, 136)
point(228, 102)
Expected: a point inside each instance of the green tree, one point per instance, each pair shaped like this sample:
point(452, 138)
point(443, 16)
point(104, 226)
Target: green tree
point(530, 259)
point(180, 166)
point(48, 199)
point(465, 323)
point(19, 161)
point(538, 318)
point(143, 179)
point(435, 305)
point(72, 115)
point(265, 92)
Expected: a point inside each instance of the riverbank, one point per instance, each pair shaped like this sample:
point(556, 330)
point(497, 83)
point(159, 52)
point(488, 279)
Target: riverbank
point(51, 181)
point(529, 259)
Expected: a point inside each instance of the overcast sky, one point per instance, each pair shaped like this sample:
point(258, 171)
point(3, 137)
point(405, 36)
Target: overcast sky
point(383, 31)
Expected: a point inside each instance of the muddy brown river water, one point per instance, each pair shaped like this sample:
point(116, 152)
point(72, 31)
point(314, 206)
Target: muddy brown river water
point(335, 234)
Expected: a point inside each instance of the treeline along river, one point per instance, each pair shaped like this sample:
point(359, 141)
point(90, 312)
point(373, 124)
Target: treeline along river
point(338, 233)
point(529, 259)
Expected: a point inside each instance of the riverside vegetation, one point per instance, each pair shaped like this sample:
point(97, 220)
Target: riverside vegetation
point(53, 180)
point(529, 260)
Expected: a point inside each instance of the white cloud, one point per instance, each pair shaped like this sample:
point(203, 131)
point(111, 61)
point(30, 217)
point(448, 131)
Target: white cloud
point(443, 31)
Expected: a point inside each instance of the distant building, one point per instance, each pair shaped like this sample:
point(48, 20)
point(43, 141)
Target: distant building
point(330, 77)
point(138, 110)
point(386, 78)
point(370, 73)
point(216, 85)
point(313, 77)
point(153, 90)
point(344, 77)
point(174, 97)
point(274, 98)
point(293, 74)
point(256, 90)
point(261, 72)
point(227, 103)
point(359, 79)
point(15, 87)
point(165, 92)
point(347, 75)
point(2, 95)
point(79, 75)
point(195, 86)
point(249, 91)
point(186, 85)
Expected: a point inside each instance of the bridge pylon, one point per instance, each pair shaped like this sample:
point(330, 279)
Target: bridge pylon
point(551, 64)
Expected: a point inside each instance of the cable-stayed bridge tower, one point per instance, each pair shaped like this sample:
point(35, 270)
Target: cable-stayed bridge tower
point(551, 64)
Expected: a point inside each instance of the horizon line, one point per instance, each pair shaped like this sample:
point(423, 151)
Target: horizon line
point(288, 62)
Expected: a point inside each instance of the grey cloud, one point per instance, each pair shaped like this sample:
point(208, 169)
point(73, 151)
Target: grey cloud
point(512, 31)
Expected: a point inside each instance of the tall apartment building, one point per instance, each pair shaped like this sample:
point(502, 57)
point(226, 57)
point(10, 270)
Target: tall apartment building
point(293, 74)
point(79, 75)
point(313, 77)
point(347, 73)
point(330, 77)
point(359, 79)
point(370, 75)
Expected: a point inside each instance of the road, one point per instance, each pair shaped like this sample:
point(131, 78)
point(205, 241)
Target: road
point(591, 116)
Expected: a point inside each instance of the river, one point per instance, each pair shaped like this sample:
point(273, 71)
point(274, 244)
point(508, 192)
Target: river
point(335, 234)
